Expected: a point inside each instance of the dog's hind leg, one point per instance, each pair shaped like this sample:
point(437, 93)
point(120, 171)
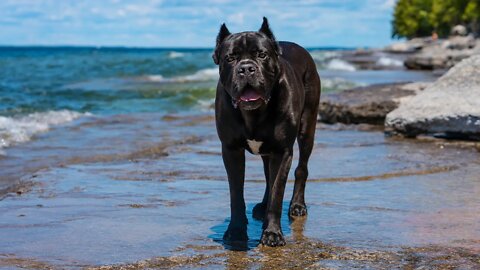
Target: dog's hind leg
point(259, 210)
point(305, 138)
point(297, 204)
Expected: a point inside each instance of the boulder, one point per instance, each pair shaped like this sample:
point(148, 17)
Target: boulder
point(450, 106)
point(368, 104)
point(459, 30)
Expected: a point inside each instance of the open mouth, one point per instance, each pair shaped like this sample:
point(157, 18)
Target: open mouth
point(249, 94)
point(249, 99)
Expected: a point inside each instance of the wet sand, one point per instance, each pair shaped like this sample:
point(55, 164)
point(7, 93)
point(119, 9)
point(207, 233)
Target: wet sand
point(149, 191)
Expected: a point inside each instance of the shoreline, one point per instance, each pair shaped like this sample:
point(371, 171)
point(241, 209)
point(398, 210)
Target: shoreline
point(138, 190)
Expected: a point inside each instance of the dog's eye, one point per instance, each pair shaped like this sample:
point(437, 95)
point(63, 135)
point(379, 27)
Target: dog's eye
point(230, 58)
point(262, 55)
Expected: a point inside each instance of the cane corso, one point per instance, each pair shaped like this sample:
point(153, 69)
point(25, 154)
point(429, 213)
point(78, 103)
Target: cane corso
point(267, 96)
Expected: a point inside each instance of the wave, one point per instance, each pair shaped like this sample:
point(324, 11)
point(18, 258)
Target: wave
point(174, 54)
point(19, 129)
point(389, 62)
point(337, 64)
point(323, 56)
point(207, 74)
point(337, 84)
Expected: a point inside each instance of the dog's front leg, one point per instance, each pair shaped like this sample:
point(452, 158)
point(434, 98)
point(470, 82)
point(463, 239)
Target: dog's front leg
point(234, 161)
point(279, 167)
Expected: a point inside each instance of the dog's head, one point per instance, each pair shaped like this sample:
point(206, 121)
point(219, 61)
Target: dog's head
point(249, 65)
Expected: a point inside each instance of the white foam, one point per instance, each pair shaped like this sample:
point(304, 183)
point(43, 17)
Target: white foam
point(15, 130)
point(156, 78)
point(389, 62)
point(207, 74)
point(173, 55)
point(337, 64)
point(337, 84)
point(323, 56)
point(206, 105)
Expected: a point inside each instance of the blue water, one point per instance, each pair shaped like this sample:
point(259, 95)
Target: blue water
point(126, 80)
point(43, 87)
point(94, 79)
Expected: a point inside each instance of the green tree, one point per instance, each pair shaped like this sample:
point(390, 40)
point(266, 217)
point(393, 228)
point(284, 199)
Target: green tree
point(417, 18)
point(411, 18)
point(472, 16)
point(446, 14)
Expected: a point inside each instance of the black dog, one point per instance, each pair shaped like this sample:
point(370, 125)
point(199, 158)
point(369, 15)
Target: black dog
point(267, 97)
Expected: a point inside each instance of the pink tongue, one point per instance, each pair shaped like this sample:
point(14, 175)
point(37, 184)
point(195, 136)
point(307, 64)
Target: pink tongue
point(249, 95)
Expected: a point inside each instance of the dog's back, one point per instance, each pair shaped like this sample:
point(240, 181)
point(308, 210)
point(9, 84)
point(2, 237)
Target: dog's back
point(299, 59)
point(304, 67)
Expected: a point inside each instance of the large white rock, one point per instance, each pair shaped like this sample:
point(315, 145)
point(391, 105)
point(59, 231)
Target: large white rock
point(451, 105)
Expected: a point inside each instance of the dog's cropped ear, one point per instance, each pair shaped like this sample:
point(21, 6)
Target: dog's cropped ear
point(265, 29)
point(222, 34)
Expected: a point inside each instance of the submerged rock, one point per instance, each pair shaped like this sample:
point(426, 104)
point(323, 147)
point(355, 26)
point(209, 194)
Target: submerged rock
point(450, 106)
point(365, 104)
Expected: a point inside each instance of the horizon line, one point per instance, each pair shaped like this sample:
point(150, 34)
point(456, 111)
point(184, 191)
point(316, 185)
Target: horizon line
point(154, 47)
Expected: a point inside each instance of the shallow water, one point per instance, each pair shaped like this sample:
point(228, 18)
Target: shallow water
point(149, 190)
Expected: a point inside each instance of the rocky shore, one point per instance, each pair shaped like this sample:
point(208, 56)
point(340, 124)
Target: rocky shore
point(448, 107)
point(426, 53)
point(366, 105)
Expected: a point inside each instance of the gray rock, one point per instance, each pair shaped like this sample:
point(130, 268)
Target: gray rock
point(365, 104)
point(370, 59)
point(459, 30)
point(443, 54)
point(450, 106)
point(409, 46)
point(460, 43)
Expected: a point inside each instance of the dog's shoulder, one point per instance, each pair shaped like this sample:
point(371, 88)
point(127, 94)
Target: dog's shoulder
point(298, 58)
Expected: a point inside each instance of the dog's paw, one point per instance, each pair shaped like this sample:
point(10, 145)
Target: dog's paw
point(297, 210)
point(272, 238)
point(258, 211)
point(236, 234)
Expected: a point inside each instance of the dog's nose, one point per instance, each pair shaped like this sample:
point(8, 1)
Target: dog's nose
point(246, 69)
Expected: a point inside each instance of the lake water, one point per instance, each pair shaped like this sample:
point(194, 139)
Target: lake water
point(115, 159)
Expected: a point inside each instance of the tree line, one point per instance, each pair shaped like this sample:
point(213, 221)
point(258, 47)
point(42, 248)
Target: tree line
point(420, 18)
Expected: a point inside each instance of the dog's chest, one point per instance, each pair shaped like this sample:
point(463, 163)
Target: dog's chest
point(254, 146)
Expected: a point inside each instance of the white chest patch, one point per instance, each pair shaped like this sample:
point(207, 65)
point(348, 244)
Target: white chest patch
point(254, 146)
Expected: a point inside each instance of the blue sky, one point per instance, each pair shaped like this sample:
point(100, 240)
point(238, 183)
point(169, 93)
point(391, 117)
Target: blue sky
point(192, 23)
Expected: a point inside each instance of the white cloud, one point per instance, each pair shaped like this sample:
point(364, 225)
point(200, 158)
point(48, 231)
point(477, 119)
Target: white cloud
point(389, 4)
point(237, 18)
point(191, 22)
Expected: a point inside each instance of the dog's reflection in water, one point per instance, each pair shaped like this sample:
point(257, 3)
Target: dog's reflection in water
point(249, 237)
